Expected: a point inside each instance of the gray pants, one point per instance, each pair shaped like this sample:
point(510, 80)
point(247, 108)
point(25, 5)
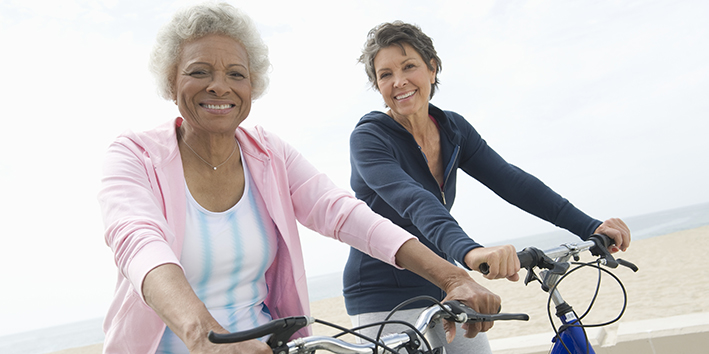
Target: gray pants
point(436, 336)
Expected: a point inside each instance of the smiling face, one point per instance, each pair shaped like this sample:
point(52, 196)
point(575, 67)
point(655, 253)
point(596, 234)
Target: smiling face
point(404, 80)
point(212, 86)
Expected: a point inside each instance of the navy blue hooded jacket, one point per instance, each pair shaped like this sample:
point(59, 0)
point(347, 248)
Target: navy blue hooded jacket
point(390, 174)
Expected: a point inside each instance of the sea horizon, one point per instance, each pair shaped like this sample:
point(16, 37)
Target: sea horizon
point(88, 332)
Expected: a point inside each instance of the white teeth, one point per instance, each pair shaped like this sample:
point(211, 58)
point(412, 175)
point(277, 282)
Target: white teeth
point(405, 96)
point(221, 106)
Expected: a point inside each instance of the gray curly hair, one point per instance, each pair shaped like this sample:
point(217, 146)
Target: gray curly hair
point(196, 22)
point(397, 33)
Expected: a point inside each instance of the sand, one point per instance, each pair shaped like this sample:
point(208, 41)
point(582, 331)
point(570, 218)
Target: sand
point(672, 280)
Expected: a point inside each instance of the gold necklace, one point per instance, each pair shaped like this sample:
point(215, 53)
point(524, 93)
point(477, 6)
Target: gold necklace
point(205, 161)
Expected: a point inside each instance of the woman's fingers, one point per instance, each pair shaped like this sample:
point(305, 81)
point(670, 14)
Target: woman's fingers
point(617, 230)
point(502, 261)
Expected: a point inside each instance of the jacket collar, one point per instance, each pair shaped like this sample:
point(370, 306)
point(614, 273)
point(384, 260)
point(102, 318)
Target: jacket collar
point(161, 143)
point(251, 142)
point(382, 119)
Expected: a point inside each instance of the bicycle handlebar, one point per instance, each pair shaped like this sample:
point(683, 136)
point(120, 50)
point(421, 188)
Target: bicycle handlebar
point(281, 329)
point(555, 260)
point(597, 244)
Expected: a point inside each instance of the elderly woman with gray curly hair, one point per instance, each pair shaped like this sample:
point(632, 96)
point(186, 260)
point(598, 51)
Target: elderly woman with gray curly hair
point(201, 213)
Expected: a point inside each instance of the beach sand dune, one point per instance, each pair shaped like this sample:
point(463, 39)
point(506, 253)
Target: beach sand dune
point(672, 281)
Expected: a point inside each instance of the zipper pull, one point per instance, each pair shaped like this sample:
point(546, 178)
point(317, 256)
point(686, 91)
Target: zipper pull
point(443, 195)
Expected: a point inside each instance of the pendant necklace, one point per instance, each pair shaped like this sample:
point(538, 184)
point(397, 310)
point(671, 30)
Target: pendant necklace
point(205, 161)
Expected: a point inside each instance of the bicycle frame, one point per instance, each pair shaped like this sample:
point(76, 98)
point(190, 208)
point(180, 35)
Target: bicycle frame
point(571, 337)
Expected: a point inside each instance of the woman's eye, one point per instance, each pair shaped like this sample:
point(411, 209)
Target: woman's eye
point(384, 75)
point(197, 73)
point(237, 75)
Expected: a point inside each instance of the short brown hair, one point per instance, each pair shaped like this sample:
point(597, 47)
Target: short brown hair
point(397, 33)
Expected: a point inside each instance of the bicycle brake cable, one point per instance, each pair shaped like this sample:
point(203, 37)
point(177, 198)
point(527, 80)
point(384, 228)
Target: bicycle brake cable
point(622, 288)
point(580, 265)
point(354, 332)
point(386, 321)
point(407, 302)
point(595, 294)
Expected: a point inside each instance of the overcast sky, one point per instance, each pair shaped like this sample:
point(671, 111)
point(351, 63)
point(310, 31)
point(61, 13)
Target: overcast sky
point(606, 101)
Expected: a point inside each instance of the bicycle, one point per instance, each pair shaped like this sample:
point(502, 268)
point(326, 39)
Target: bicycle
point(569, 338)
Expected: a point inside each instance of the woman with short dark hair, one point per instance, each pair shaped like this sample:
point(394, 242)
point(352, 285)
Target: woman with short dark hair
point(404, 165)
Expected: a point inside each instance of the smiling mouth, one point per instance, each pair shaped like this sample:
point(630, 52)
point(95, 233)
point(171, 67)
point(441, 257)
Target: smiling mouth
point(406, 95)
point(217, 106)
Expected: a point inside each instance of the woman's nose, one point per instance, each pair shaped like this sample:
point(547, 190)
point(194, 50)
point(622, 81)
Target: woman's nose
point(218, 86)
point(400, 81)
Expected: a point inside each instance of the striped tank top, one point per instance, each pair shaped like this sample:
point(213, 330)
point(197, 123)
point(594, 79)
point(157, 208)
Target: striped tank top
point(225, 257)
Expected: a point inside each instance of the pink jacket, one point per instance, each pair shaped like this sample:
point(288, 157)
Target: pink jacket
point(143, 203)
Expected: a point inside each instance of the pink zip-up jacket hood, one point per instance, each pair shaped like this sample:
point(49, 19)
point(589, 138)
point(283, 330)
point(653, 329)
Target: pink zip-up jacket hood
point(143, 203)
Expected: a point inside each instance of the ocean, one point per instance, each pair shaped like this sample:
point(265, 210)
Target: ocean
point(330, 285)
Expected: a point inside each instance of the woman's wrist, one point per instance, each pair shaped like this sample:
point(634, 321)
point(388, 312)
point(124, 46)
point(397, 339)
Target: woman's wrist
point(195, 335)
point(455, 279)
point(470, 260)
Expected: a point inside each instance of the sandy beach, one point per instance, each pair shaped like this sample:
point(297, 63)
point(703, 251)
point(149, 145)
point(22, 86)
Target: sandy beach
point(671, 281)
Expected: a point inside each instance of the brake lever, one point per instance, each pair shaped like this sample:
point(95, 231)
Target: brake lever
point(466, 314)
point(601, 250)
point(625, 263)
point(543, 261)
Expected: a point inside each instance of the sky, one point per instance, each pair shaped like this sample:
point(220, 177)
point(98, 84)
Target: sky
point(607, 102)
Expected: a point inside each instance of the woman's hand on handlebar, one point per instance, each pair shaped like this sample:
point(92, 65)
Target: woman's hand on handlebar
point(617, 230)
point(456, 282)
point(477, 298)
point(169, 294)
point(502, 260)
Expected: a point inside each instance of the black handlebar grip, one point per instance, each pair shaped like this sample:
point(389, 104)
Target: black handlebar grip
point(602, 240)
point(527, 257)
point(258, 332)
point(600, 249)
point(484, 268)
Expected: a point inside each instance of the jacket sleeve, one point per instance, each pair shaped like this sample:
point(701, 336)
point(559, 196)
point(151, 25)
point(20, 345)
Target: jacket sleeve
point(375, 161)
point(519, 187)
point(133, 212)
point(334, 212)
